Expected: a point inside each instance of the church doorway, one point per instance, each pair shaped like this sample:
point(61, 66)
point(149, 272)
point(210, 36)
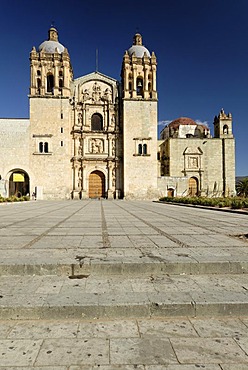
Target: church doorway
point(18, 184)
point(96, 185)
point(193, 187)
point(170, 193)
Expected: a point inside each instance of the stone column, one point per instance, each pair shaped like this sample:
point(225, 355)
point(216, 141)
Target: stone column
point(75, 192)
point(134, 82)
point(110, 189)
point(84, 182)
point(154, 82)
point(109, 145)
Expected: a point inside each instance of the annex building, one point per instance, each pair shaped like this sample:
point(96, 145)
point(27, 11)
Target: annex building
point(94, 136)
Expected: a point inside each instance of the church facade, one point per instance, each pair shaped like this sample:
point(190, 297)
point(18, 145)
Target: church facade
point(96, 137)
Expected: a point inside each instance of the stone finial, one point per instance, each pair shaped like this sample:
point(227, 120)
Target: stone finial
point(137, 40)
point(53, 34)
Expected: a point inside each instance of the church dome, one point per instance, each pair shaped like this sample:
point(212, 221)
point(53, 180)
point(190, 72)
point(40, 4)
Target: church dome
point(182, 121)
point(52, 45)
point(137, 48)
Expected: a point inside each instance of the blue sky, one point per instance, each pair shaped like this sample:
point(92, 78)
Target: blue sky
point(201, 48)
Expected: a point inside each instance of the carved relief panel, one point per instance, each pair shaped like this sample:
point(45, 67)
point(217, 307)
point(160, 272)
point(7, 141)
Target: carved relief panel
point(96, 146)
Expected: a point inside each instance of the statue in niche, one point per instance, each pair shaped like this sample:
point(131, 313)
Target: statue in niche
point(113, 148)
point(113, 178)
point(80, 118)
point(86, 95)
point(96, 95)
point(79, 178)
point(80, 148)
point(112, 122)
point(96, 146)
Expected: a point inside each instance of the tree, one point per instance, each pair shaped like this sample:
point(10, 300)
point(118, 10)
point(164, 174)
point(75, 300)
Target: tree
point(242, 188)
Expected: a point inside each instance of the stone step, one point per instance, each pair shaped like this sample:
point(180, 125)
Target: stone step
point(127, 266)
point(117, 296)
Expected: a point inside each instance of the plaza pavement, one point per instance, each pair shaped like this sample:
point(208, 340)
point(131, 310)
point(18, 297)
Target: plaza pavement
point(109, 285)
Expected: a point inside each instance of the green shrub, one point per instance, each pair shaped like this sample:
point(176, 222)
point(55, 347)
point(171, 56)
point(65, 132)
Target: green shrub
point(234, 202)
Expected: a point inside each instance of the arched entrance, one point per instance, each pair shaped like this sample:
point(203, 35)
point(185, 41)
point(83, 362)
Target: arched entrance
point(193, 187)
point(170, 193)
point(96, 185)
point(18, 183)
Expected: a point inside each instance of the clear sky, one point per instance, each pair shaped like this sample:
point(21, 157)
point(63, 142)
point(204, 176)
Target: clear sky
point(201, 48)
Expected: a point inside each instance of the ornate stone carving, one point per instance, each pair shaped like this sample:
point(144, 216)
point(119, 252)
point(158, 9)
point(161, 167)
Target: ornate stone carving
point(86, 95)
point(80, 148)
point(113, 147)
point(113, 177)
point(193, 162)
point(96, 146)
point(107, 96)
point(96, 94)
point(112, 122)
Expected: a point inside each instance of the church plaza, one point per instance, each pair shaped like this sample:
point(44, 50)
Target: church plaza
point(100, 284)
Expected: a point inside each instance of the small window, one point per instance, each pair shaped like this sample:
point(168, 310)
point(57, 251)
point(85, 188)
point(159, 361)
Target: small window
point(62, 130)
point(140, 149)
point(144, 149)
point(61, 115)
point(38, 73)
point(61, 143)
point(41, 147)
point(45, 147)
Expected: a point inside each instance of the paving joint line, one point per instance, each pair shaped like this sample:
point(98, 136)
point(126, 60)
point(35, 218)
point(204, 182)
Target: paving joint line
point(161, 232)
point(28, 245)
point(105, 235)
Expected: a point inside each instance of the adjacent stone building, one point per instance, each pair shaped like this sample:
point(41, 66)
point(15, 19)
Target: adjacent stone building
point(95, 137)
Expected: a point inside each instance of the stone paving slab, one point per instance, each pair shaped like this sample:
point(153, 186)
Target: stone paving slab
point(147, 344)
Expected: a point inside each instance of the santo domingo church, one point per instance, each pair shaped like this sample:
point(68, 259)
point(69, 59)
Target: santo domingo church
point(95, 136)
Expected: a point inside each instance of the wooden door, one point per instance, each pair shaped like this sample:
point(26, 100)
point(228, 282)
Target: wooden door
point(193, 187)
point(96, 185)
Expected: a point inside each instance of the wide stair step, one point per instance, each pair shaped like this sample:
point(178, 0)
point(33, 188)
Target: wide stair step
point(91, 295)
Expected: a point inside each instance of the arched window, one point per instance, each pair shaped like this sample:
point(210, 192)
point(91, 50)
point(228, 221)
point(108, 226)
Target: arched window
point(45, 147)
point(38, 73)
point(139, 83)
point(38, 85)
point(96, 122)
point(144, 149)
point(225, 129)
point(50, 83)
point(41, 147)
point(150, 89)
point(140, 149)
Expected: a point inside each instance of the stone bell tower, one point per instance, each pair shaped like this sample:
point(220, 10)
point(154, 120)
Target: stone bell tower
point(51, 71)
point(223, 132)
point(50, 142)
point(139, 104)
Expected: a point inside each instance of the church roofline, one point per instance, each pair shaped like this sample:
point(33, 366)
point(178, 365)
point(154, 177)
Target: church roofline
point(95, 75)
